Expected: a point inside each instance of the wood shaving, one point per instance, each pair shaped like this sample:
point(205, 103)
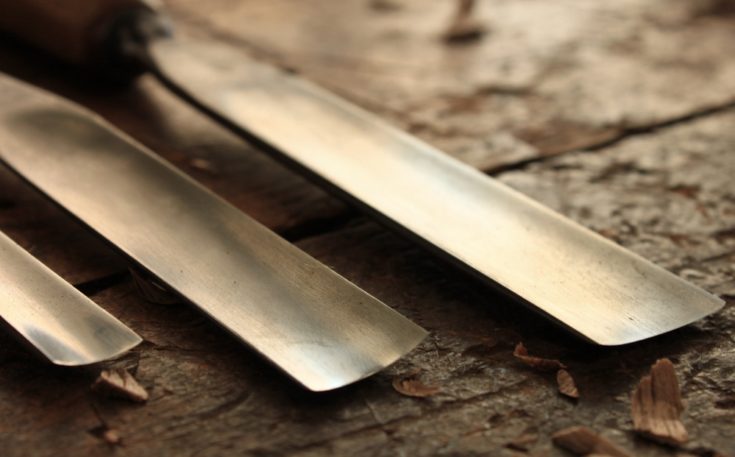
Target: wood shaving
point(583, 441)
point(410, 386)
point(120, 383)
point(464, 26)
point(656, 405)
point(521, 353)
point(566, 384)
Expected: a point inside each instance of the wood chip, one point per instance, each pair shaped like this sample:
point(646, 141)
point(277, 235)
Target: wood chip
point(119, 383)
point(566, 384)
point(411, 386)
point(108, 435)
point(583, 441)
point(464, 26)
point(521, 353)
point(111, 436)
point(656, 405)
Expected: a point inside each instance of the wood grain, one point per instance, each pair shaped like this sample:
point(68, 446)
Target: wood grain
point(617, 114)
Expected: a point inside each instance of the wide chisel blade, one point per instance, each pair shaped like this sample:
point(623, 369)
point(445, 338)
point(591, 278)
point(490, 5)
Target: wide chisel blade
point(60, 322)
point(315, 325)
point(593, 286)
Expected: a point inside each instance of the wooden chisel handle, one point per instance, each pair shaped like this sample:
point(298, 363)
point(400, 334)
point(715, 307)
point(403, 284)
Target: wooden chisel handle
point(75, 31)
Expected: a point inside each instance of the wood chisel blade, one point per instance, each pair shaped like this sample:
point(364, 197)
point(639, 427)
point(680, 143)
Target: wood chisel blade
point(589, 284)
point(315, 325)
point(56, 319)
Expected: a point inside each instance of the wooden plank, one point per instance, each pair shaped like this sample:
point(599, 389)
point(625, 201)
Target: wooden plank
point(548, 77)
point(209, 396)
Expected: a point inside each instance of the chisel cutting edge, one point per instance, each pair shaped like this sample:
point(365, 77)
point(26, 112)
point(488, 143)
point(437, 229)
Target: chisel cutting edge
point(55, 318)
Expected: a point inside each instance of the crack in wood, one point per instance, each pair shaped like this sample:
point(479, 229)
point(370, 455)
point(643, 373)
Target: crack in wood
point(623, 135)
point(442, 408)
point(225, 407)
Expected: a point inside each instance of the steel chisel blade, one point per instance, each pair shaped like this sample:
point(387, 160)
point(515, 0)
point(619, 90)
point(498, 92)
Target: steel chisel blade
point(315, 325)
point(589, 284)
point(56, 319)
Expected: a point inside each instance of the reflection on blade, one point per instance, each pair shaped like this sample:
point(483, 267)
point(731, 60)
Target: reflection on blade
point(312, 323)
point(591, 285)
point(58, 320)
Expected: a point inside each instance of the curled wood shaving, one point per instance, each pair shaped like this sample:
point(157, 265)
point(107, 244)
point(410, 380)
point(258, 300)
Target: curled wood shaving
point(566, 384)
point(521, 353)
point(464, 26)
point(411, 386)
point(583, 441)
point(656, 405)
point(119, 383)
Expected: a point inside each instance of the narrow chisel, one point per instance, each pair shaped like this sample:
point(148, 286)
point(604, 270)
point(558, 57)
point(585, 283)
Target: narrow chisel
point(594, 287)
point(315, 325)
point(60, 322)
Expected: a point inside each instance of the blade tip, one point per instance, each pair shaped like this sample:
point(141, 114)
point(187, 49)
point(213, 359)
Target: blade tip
point(711, 306)
point(326, 383)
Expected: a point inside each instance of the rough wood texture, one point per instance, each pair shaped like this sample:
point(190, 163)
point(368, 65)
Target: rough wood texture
point(618, 114)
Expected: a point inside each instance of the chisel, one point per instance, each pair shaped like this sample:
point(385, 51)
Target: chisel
point(51, 315)
point(594, 287)
point(312, 323)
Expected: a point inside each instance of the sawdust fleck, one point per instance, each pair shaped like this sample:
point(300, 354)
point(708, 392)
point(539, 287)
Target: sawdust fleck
point(111, 436)
point(583, 441)
point(121, 384)
point(656, 405)
point(108, 435)
point(566, 384)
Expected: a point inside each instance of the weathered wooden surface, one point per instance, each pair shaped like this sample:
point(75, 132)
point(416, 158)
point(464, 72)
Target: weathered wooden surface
point(635, 100)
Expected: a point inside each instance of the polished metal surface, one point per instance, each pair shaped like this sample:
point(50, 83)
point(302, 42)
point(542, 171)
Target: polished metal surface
point(593, 286)
point(59, 321)
point(312, 323)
